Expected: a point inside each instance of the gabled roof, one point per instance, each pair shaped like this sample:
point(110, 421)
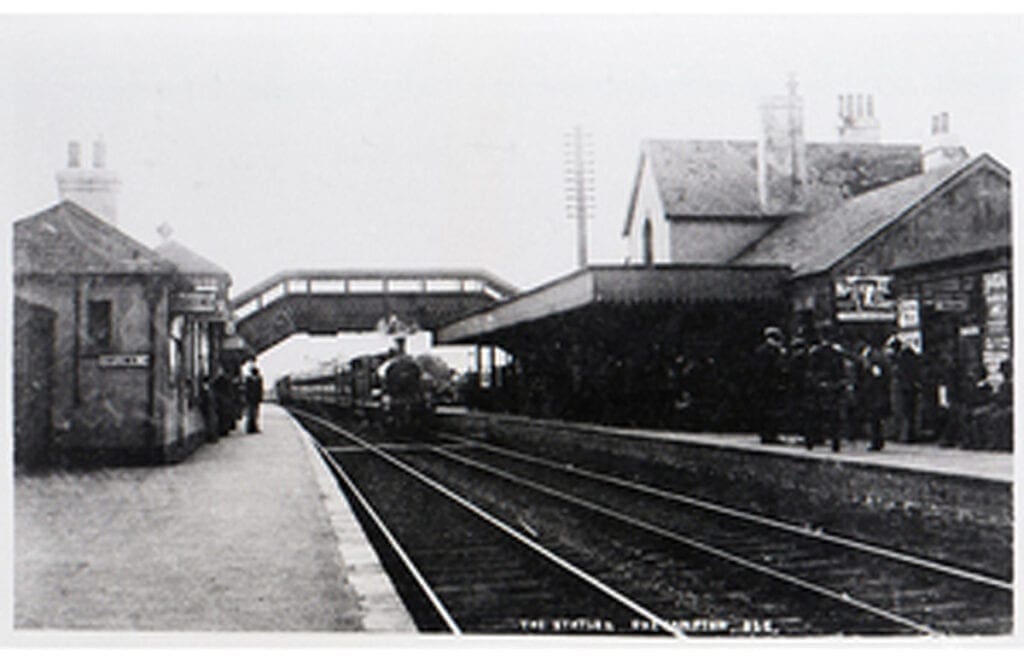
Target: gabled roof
point(189, 262)
point(814, 243)
point(706, 178)
point(68, 239)
point(718, 178)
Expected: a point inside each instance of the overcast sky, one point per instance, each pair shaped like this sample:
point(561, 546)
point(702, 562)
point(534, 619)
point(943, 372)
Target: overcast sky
point(273, 143)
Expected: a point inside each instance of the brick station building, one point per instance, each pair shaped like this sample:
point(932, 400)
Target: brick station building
point(724, 237)
point(904, 240)
point(112, 340)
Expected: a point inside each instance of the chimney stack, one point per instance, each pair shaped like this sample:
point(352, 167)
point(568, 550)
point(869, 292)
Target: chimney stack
point(781, 154)
point(941, 147)
point(857, 121)
point(94, 189)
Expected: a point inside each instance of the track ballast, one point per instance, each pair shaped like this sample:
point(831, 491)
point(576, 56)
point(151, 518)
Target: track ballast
point(685, 567)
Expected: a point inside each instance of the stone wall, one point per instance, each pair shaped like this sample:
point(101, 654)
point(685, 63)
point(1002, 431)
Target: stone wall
point(957, 519)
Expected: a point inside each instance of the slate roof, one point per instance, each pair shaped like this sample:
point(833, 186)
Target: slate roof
point(187, 261)
point(718, 178)
point(706, 178)
point(67, 239)
point(814, 243)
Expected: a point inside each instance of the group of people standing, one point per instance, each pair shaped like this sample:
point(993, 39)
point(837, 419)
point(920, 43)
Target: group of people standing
point(224, 397)
point(821, 389)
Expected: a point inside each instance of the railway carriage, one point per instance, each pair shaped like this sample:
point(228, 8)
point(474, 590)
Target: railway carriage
point(393, 392)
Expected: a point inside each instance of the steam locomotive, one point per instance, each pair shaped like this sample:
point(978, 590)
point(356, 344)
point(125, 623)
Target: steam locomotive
point(391, 391)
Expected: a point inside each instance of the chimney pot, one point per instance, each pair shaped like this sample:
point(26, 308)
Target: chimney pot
point(942, 148)
point(857, 122)
point(74, 153)
point(99, 154)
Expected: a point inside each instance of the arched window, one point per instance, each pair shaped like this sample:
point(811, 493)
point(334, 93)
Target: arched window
point(648, 239)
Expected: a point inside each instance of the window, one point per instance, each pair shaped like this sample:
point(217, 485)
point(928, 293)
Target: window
point(98, 325)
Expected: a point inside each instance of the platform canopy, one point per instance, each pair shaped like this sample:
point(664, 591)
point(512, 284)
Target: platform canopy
point(642, 287)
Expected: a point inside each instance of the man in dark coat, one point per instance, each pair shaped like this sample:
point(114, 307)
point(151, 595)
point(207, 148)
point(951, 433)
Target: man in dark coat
point(873, 387)
point(796, 387)
point(208, 408)
point(907, 380)
point(825, 382)
point(253, 397)
point(769, 388)
point(222, 398)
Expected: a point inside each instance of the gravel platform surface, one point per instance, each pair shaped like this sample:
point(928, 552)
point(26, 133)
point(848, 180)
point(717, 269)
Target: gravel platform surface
point(238, 537)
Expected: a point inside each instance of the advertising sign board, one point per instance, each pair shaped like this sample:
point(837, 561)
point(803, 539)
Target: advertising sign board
point(864, 298)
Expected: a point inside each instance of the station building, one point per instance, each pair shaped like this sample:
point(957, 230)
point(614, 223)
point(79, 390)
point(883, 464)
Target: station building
point(880, 239)
point(197, 333)
point(112, 339)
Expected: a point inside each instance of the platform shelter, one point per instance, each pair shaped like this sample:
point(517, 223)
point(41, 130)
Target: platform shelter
point(619, 343)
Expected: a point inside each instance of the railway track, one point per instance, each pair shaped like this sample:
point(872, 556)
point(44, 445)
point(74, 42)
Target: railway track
point(690, 564)
point(462, 570)
point(933, 595)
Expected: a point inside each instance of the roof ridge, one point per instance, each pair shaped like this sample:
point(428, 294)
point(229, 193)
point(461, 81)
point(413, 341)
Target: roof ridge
point(718, 177)
point(836, 144)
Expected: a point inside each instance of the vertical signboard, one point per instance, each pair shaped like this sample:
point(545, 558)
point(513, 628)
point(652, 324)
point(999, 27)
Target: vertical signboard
point(908, 322)
point(996, 350)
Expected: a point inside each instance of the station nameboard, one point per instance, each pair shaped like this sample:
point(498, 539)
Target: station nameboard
point(124, 361)
point(194, 302)
point(864, 298)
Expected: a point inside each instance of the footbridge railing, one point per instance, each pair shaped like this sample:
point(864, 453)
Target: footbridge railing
point(369, 282)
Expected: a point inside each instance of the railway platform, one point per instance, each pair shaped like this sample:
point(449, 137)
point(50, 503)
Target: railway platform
point(923, 458)
point(926, 458)
point(961, 499)
point(248, 534)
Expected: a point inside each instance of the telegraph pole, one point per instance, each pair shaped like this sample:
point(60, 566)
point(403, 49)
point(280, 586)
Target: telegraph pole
point(579, 186)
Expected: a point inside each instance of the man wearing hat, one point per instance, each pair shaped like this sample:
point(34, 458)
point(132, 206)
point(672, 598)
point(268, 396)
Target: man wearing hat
point(769, 387)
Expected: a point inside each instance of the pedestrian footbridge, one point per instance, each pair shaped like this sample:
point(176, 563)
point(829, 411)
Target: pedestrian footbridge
point(331, 302)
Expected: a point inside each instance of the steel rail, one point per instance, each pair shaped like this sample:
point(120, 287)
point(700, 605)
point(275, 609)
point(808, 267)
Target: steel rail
point(841, 597)
point(507, 529)
point(438, 605)
point(820, 535)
